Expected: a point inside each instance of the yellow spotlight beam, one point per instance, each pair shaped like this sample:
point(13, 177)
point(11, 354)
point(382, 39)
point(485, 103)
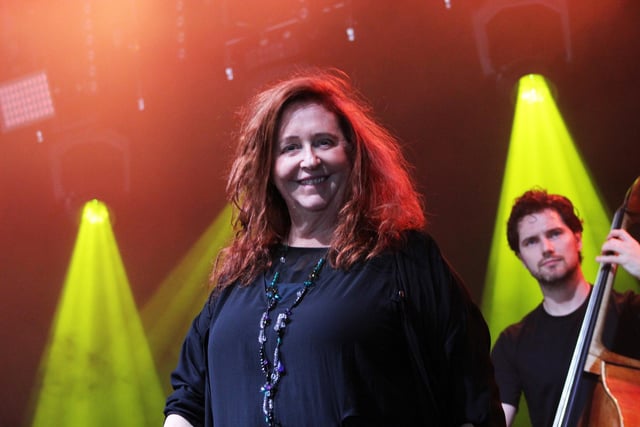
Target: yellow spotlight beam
point(169, 313)
point(97, 369)
point(541, 153)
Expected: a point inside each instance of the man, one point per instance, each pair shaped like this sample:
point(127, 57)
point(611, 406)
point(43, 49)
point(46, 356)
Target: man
point(533, 356)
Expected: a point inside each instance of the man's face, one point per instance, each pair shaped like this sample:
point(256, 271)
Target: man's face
point(548, 248)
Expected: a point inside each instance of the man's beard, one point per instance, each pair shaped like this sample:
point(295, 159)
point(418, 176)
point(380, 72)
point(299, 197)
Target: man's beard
point(552, 278)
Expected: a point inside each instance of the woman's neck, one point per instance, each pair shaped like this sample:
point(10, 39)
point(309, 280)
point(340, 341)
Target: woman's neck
point(307, 241)
point(311, 233)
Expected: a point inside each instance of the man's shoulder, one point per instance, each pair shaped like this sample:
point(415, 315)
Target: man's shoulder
point(515, 330)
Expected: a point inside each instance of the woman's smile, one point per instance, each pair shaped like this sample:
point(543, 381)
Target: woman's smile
point(311, 166)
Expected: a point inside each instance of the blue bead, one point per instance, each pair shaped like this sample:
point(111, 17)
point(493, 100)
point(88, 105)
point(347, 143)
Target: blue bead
point(273, 374)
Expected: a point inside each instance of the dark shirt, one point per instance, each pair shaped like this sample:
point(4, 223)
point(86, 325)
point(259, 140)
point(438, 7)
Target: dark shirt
point(347, 358)
point(533, 356)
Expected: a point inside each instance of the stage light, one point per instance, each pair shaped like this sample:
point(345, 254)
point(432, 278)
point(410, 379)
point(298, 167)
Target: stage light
point(89, 163)
point(25, 100)
point(229, 73)
point(97, 368)
point(256, 39)
point(530, 31)
point(351, 34)
point(181, 32)
point(534, 91)
point(95, 212)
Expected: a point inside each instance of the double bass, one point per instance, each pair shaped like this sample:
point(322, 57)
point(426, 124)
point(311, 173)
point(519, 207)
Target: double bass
point(616, 398)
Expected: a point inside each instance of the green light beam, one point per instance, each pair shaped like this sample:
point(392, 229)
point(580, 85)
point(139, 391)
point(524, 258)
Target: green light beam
point(169, 313)
point(97, 369)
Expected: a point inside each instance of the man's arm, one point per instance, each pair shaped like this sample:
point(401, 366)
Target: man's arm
point(509, 413)
point(174, 420)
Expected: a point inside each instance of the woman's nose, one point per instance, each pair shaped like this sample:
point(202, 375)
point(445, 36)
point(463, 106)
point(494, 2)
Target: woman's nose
point(309, 158)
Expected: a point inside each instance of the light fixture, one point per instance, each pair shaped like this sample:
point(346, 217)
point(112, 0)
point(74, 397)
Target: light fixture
point(25, 100)
point(543, 14)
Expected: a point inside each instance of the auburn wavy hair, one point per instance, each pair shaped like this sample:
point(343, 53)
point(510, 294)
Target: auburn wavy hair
point(380, 202)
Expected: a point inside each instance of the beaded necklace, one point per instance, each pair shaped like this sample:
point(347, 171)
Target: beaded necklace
point(273, 371)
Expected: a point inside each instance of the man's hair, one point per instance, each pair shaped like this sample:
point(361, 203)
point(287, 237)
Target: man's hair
point(534, 201)
point(380, 200)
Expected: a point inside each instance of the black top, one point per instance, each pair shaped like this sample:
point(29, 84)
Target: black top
point(395, 341)
point(533, 356)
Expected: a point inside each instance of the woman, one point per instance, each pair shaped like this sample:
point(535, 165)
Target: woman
point(332, 307)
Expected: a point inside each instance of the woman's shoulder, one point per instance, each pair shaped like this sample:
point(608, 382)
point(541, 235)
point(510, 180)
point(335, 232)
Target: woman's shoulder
point(416, 239)
point(216, 298)
point(420, 261)
point(418, 246)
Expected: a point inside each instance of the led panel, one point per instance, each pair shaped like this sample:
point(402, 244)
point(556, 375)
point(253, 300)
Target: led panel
point(25, 100)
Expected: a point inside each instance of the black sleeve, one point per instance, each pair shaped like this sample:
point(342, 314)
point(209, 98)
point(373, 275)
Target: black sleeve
point(452, 342)
point(189, 380)
point(506, 373)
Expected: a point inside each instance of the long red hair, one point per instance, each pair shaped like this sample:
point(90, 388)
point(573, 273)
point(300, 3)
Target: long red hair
point(380, 203)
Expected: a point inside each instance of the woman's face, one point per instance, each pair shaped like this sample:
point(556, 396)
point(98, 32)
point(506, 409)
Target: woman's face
point(311, 165)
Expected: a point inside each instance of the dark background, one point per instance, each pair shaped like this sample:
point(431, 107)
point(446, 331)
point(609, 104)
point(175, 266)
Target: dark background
point(416, 61)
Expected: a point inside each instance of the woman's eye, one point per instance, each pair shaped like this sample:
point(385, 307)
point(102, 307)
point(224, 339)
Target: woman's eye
point(324, 142)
